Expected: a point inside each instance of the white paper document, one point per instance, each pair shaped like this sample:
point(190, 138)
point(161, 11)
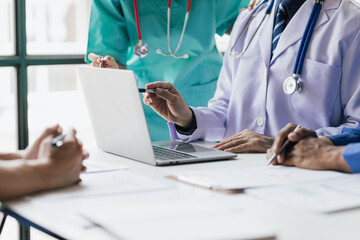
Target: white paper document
point(323, 196)
point(243, 178)
point(104, 183)
point(94, 166)
point(180, 220)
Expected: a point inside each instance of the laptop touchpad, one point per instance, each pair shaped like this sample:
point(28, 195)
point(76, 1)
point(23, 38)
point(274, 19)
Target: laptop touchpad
point(183, 147)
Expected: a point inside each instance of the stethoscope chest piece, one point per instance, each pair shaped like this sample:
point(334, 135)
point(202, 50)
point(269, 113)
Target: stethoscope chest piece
point(292, 85)
point(141, 49)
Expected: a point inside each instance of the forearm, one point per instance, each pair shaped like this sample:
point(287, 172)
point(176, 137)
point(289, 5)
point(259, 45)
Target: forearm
point(209, 126)
point(21, 177)
point(11, 155)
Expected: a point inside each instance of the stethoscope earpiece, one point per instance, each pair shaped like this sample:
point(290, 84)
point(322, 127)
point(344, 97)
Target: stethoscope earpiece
point(185, 56)
point(234, 54)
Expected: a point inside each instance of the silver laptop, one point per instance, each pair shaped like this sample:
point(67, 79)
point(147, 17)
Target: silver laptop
point(118, 120)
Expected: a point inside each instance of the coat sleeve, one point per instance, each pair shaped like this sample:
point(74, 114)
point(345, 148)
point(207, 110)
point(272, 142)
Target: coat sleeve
point(211, 120)
point(349, 90)
point(347, 136)
point(352, 156)
point(107, 31)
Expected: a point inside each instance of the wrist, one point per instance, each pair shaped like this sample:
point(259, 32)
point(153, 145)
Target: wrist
point(338, 162)
point(44, 173)
point(186, 122)
point(20, 154)
point(327, 140)
point(10, 156)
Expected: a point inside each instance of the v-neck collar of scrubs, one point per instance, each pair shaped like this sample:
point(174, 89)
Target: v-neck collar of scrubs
point(161, 7)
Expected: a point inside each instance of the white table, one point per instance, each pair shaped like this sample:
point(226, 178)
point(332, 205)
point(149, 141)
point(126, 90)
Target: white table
point(289, 223)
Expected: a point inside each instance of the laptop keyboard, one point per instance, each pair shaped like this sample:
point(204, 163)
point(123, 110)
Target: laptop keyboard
point(167, 154)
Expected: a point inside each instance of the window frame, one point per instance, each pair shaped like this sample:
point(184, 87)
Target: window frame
point(21, 61)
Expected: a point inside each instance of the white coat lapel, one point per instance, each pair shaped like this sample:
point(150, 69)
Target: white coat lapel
point(296, 27)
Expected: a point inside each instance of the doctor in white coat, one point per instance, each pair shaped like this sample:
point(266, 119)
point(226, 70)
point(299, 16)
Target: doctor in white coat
point(249, 100)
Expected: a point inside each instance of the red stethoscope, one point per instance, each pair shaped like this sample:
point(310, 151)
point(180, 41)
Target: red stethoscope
point(141, 49)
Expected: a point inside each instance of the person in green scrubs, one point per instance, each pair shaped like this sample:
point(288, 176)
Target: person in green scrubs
point(113, 33)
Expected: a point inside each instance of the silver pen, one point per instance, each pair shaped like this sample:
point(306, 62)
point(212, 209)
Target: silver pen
point(197, 182)
point(285, 144)
point(101, 62)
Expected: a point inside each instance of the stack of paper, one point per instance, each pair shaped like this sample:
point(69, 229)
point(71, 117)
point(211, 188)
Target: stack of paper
point(324, 191)
point(104, 183)
point(176, 221)
point(323, 196)
point(94, 166)
point(237, 178)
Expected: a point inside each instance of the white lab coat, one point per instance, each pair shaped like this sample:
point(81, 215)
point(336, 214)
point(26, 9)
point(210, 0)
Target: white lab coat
point(249, 93)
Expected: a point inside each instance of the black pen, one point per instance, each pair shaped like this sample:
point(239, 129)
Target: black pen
point(58, 141)
point(287, 143)
point(151, 90)
point(142, 90)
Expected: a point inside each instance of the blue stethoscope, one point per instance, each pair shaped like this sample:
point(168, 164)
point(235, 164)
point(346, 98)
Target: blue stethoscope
point(291, 84)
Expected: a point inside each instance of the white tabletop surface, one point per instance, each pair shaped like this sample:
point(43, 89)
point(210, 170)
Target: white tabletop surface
point(287, 222)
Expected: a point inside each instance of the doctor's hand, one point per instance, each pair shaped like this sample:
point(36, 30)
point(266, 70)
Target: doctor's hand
point(245, 142)
point(107, 62)
point(316, 154)
point(32, 151)
point(62, 165)
point(168, 103)
point(253, 4)
point(288, 133)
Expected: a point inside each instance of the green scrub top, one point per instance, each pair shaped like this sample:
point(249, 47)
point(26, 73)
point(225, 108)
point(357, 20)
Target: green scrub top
point(113, 32)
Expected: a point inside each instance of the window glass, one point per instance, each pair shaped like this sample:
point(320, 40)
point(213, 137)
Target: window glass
point(54, 97)
point(8, 122)
point(7, 27)
point(57, 27)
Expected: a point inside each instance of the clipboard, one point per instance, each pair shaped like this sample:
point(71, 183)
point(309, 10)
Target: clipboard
point(204, 184)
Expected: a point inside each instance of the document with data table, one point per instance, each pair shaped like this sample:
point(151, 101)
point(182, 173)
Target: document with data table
point(322, 196)
point(104, 183)
point(240, 178)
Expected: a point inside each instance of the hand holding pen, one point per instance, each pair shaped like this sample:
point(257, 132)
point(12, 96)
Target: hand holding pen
point(168, 103)
point(58, 141)
point(103, 62)
point(287, 137)
point(64, 155)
